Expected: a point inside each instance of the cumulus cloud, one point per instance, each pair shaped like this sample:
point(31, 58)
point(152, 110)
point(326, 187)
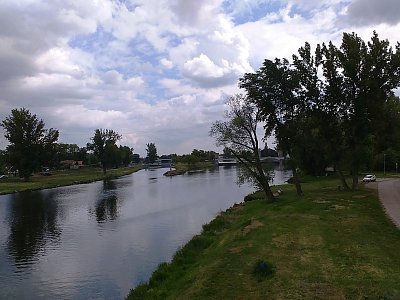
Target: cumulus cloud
point(195, 13)
point(371, 12)
point(270, 38)
point(204, 70)
point(157, 70)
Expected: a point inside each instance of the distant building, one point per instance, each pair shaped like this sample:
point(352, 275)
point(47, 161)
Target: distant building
point(72, 164)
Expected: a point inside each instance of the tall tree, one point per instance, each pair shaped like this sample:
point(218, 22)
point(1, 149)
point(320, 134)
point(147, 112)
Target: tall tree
point(340, 107)
point(365, 76)
point(151, 152)
point(3, 161)
point(275, 90)
point(103, 146)
point(30, 143)
point(126, 155)
point(238, 134)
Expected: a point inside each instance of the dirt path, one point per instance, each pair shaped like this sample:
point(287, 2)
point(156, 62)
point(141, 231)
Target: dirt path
point(389, 195)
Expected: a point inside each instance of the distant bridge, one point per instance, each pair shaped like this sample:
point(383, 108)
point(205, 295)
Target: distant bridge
point(273, 159)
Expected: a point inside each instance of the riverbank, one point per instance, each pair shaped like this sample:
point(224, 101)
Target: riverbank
point(62, 178)
point(182, 168)
point(329, 244)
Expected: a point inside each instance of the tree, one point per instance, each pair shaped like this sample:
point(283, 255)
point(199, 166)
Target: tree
point(3, 161)
point(151, 152)
point(69, 152)
point(126, 155)
point(328, 107)
point(103, 146)
point(360, 81)
point(30, 143)
point(275, 90)
point(267, 152)
point(135, 158)
point(238, 134)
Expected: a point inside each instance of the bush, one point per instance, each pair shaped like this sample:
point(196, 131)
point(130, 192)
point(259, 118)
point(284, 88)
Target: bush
point(254, 196)
point(263, 269)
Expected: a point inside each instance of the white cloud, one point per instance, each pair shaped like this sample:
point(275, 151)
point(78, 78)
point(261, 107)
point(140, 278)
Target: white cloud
point(282, 39)
point(166, 63)
point(155, 70)
point(203, 67)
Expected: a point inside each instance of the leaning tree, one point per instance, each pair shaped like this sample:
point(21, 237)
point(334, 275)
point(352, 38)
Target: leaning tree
point(238, 134)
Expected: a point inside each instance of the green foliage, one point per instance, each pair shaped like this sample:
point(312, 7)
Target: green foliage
point(336, 119)
point(30, 144)
point(151, 150)
point(198, 159)
point(135, 158)
point(104, 147)
point(68, 152)
point(125, 155)
point(3, 162)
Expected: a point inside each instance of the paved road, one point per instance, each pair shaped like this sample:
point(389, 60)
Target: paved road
point(389, 195)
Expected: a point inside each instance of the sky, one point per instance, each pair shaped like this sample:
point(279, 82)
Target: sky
point(158, 70)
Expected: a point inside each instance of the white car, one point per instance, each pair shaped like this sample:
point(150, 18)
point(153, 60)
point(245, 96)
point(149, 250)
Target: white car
point(369, 178)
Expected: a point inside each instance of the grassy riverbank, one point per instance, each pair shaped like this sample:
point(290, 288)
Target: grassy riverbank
point(329, 244)
point(61, 178)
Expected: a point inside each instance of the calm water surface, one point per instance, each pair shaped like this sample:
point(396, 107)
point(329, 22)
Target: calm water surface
point(101, 239)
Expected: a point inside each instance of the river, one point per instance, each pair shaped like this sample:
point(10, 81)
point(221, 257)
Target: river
point(98, 240)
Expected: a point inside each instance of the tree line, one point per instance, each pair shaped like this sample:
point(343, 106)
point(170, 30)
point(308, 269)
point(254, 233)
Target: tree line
point(331, 107)
point(32, 146)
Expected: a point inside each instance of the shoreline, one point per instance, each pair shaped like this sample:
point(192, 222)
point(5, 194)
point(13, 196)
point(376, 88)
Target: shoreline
point(310, 241)
point(59, 179)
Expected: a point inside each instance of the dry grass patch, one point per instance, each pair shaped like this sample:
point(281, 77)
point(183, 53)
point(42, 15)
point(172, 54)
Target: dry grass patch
point(253, 225)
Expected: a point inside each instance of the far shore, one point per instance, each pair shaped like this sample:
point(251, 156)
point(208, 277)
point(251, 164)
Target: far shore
point(62, 178)
point(84, 175)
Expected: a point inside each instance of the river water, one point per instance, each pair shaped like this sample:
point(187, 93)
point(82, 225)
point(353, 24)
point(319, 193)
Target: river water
point(98, 240)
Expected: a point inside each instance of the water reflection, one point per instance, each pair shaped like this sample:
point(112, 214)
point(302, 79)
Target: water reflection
point(33, 224)
point(107, 205)
point(97, 241)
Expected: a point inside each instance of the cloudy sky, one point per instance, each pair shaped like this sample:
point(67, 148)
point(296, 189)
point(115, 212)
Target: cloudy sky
point(157, 70)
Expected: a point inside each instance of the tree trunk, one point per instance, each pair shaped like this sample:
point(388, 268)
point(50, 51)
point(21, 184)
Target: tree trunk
point(354, 170)
point(299, 191)
point(267, 190)
point(104, 169)
point(342, 178)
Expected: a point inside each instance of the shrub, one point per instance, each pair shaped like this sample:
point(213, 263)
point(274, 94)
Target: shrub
point(263, 269)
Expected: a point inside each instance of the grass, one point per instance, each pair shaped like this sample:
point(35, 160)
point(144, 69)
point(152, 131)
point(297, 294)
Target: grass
point(328, 244)
point(61, 178)
point(184, 167)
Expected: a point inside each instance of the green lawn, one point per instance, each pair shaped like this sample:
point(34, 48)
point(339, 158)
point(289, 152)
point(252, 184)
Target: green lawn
point(329, 244)
point(61, 178)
